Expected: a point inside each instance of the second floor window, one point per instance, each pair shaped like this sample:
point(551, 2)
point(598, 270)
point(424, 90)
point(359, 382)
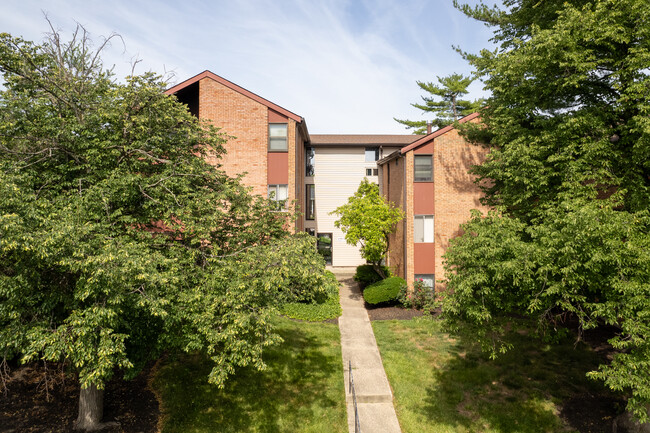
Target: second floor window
point(310, 191)
point(423, 229)
point(279, 194)
point(278, 137)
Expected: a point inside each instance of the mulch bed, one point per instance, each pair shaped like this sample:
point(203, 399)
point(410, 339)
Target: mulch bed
point(26, 406)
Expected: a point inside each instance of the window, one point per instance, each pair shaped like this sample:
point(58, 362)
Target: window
point(423, 168)
point(277, 137)
point(372, 154)
point(324, 246)
point(423, 228)
point(372, 172)
point(427, 279)
point(309, 161)
point(310, 191)
point(279, 194)
point(311, 232)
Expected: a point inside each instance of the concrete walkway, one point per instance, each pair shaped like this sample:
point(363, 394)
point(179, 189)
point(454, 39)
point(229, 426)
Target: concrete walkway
point(374, 397)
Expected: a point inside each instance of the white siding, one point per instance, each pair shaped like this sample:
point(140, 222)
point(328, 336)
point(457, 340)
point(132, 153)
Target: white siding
point(338, 171)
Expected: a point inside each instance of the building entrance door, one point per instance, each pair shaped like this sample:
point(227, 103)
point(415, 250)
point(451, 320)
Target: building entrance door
point(324, 246)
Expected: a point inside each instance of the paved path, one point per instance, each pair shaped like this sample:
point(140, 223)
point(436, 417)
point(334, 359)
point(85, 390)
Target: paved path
point(374, 397)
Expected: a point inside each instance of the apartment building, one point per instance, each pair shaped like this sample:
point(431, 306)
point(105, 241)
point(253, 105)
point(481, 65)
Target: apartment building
point(425, 175)
point(273, 149)
point(429, 180)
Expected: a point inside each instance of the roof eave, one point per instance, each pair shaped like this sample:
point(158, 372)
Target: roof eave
point(427, 138)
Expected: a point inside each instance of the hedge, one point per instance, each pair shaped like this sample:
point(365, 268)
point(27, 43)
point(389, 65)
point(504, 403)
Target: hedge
point(383, 291)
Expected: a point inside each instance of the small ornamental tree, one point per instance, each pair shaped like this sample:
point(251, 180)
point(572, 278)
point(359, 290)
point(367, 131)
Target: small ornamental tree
point(444, 101)
point(117, 239)
point(367, 220)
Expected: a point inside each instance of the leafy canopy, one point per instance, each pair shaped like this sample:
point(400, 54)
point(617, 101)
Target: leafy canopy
point(367, 220)
point(117, 239)
point(568, 175)
point(449, 108)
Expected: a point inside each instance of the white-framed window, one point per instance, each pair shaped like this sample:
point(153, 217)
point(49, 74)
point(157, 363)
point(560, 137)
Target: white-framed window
point(423, 229)
point(427, 279)
point(372, 154)
point(423, 168)
point(279, 194)
point(278, 137)
point(372, 172)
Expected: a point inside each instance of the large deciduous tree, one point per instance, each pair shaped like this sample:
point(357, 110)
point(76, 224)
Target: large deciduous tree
point(568, 175)
point(444, 101)
point(367, 219)
point(117, 239)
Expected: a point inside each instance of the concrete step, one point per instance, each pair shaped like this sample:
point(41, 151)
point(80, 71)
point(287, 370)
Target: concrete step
point(374, 418)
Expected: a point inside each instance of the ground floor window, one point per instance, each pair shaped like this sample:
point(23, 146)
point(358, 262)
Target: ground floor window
point(279, 194)
point(427, 279)
point(324, 245)
point(311, 232)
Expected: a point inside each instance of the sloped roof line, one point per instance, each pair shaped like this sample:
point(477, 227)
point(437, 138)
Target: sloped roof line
point(427, 138)
point(364, 139)
point(236, 88)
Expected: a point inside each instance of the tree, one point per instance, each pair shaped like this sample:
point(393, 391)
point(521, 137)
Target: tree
point(449, 109)
point(117, 239)
point(568, 175)
point(368, 219)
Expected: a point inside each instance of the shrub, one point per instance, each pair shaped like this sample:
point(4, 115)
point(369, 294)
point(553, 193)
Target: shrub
point(322, 307)
point(366, 274)
point(421, 298)
point(383, 291)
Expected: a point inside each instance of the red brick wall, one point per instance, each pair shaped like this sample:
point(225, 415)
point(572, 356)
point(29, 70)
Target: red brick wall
point(455, 191)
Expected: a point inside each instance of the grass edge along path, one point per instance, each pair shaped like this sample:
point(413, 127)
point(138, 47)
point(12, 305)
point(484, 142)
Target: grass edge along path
point(441, 384)
point(301, 390)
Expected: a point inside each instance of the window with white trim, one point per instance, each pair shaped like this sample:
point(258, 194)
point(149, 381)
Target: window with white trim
point(277, 137)
point(423, 168)
point(427, 279)
point(279, 194)
point(372, 172)
point(423, 229)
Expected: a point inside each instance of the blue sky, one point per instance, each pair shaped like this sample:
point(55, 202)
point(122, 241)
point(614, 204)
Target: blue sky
point(346, 66)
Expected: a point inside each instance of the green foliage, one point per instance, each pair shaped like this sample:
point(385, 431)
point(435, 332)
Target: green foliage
point(420, 298)
point(366, 274)
point(324, 307)
point(117, 239)
point(299, 391)
point(450, 108)
point(569, 176)
point(367, 220)
point(383, 291)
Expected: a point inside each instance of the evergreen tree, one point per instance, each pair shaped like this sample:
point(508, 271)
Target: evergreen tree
point(449, 108)
point(569, 177)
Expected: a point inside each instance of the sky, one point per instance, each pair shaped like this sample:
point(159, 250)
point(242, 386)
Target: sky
point(346, 66)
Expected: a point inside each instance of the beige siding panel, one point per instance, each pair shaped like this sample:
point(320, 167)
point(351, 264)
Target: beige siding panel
point(338, 173)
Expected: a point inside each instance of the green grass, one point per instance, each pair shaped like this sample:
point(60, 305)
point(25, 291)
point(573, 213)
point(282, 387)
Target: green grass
point(446, 385)
point(301, 391)
point(316, 311)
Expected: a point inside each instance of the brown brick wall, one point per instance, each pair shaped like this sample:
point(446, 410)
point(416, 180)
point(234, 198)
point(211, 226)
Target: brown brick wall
point(455, 191)
point(393, 177)
point(246, 120)
point(410, 252)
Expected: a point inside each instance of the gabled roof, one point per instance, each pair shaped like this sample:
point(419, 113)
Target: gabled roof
point(236, 88)
point(370, 140)
point(427, 138)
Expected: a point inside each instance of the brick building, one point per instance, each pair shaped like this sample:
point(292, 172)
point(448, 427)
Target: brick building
point(272, 147)
point(429, 181)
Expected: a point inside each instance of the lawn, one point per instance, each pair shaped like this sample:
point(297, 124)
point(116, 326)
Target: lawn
point(301, 391)
point(442, 384)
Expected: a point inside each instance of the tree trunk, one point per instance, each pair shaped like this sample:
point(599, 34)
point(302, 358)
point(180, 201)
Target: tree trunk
point(379, 270)
point(91, 409)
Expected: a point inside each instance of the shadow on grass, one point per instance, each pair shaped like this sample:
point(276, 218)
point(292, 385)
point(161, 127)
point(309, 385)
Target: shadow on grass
point(301, 390)
point(522, 391)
